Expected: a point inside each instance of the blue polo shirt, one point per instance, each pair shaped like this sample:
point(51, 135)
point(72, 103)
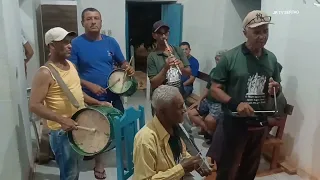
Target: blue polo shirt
point(194, 65)
point(94, 61)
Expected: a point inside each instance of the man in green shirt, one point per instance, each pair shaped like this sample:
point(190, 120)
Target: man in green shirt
point(160, 61)
point(163, 61)
point(243, 81)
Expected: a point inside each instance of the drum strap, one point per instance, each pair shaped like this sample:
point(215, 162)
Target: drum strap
point(63, 86)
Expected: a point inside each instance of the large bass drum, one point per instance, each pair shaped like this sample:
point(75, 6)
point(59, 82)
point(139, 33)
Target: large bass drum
point(101, 118)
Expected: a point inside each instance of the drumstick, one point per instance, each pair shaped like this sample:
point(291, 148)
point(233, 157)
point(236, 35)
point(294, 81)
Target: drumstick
point(171, 54)
point(86, 128)
point(125, 75)
point(113, 84)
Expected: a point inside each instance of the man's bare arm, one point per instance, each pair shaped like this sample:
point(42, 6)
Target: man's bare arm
point(28, 51)
point(89, 100)
point(218, 93)
point(85, 83)
point(157, 80)
point(39, 89)
point(190, 81)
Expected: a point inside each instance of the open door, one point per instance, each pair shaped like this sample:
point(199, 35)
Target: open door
point(172, 15)
point(127, 35)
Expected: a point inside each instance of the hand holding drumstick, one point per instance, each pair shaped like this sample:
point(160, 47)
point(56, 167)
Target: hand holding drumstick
point(87, 129)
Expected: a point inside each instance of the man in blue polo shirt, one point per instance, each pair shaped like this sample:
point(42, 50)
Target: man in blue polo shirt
point(94, 54)
point(194, 65)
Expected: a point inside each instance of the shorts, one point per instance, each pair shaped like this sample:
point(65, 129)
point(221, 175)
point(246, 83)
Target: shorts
point(214, 109)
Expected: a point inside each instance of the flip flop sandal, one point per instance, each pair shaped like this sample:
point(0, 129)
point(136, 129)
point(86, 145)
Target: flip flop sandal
point(98, 172)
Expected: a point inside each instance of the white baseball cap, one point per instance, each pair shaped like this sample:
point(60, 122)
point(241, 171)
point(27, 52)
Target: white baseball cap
point(256, 18)
point(57, 34)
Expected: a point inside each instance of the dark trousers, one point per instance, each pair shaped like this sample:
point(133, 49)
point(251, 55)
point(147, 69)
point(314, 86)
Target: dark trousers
point(241, 151)
point(117, 103)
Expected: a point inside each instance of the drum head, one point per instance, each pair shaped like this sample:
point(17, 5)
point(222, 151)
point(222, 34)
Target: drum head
point(123, 85)
point(92, 142)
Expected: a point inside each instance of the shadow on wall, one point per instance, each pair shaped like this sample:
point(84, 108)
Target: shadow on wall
point(22, 146)
point(21, 2)
point(16, 146)
point(294, 122)
point(242, 6)
point(316, 148)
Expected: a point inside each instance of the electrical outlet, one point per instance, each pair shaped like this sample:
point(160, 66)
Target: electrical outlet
point(109, 32)
point(103, 32)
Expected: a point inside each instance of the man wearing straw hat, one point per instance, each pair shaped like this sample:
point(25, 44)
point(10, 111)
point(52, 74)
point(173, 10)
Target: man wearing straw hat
point(243, 81)
point(58, 109)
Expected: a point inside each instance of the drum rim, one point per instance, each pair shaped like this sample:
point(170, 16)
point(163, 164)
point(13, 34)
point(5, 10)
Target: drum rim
point(70, 136)
point(134, 81)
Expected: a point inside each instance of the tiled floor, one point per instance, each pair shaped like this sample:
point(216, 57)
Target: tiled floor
point(51, 172)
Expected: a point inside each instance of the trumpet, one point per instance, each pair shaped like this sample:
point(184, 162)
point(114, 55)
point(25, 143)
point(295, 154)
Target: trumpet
point(171, 55)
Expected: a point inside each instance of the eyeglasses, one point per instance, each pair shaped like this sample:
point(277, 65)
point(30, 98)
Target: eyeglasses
point(162, 33)
point(258, 19)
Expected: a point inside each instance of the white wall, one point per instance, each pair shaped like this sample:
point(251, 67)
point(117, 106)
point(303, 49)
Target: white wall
point(29, 26)
point(210, 26)
point(295, 41)
point(15, 149)
point(113, 18)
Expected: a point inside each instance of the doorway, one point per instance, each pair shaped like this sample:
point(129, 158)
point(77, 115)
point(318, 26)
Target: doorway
point(140, 18)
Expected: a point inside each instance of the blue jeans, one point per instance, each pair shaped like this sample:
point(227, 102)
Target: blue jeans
point(67, 159)
point(187, 91)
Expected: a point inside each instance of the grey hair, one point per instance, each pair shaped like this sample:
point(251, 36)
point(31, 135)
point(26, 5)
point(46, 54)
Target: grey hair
point(163, 95)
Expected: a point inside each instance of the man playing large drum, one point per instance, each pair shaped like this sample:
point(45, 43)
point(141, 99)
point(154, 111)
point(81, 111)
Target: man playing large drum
point(93, 54)
point(58, 109)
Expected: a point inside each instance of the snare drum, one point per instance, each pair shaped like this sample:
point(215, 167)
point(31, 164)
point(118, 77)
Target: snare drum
point(127, 86)
point(101, 118)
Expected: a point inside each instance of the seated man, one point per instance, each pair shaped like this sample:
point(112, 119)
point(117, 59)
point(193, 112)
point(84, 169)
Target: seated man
point(194, 65)
point(159, 152)
point(206, 106)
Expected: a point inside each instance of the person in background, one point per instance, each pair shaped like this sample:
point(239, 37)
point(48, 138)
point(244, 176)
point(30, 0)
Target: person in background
point(208, 108)
point(160, 62)
point(58, 110)
point(93, 54)
point(194, 65)
point(159, 152)
point(27, 51)
point(243, 81)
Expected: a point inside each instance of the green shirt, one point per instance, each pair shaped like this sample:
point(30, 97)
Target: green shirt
point(246, 77)
point(157, 59)
point(209, 96)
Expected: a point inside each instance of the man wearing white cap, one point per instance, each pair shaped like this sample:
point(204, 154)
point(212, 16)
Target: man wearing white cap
point(58, 109)
point(243, 81)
